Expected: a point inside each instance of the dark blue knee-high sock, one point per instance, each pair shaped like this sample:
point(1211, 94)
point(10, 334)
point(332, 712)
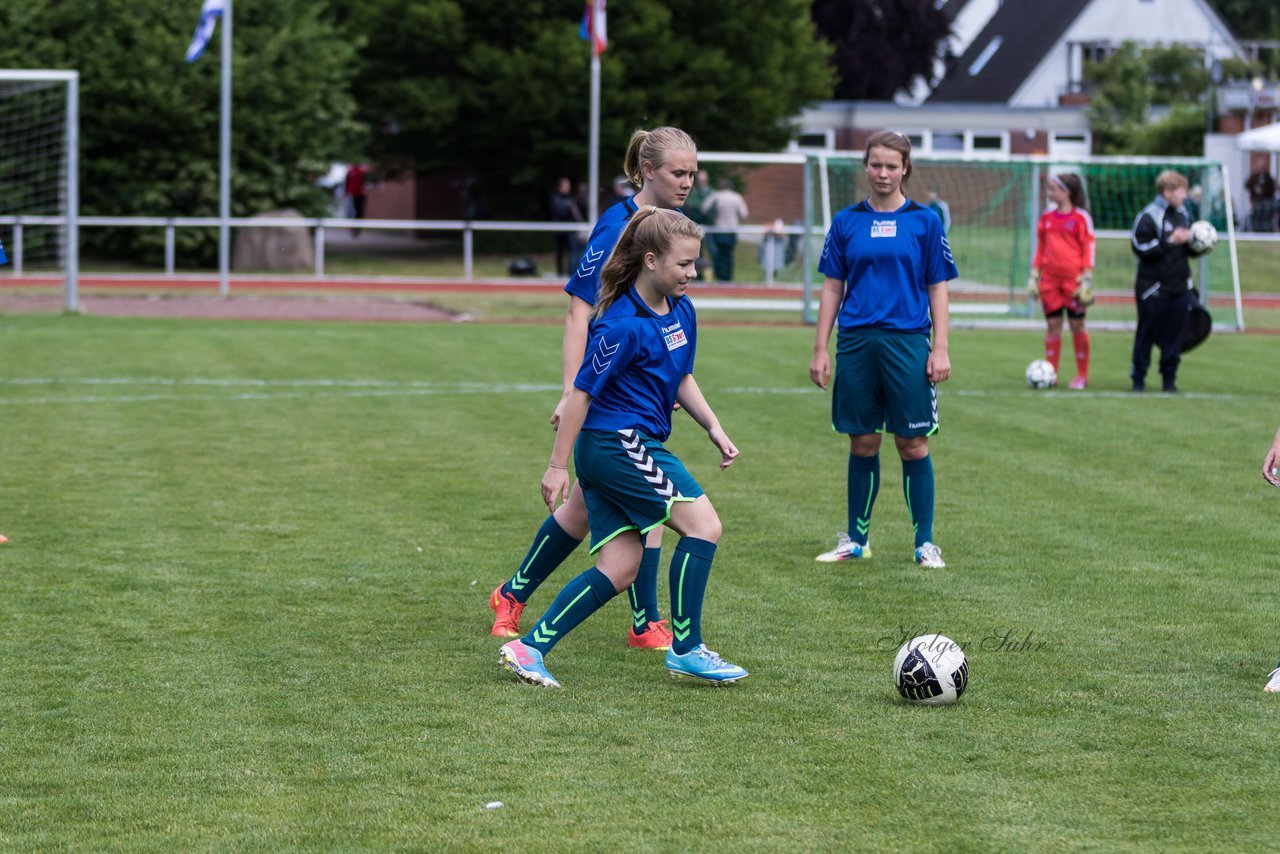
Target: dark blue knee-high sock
point(690, 567)
point(643, 592)
point(579, 599)
point(864, 485)
point(551, 545)
point(917, 484)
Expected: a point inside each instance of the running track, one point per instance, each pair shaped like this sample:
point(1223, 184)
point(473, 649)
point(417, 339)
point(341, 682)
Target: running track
point(424, 285)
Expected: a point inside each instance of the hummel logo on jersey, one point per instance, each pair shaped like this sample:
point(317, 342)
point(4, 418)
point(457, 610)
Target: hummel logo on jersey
point(884, 228)
point(604, 350)
point(674, 336)
point(591, 258)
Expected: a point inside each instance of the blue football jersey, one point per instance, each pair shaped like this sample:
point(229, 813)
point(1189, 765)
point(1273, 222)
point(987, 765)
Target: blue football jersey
point(585, 282)
point(634, 364)
point(887, 262)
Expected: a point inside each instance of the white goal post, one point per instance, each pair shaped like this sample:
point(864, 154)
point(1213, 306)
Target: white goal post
point(40, 171)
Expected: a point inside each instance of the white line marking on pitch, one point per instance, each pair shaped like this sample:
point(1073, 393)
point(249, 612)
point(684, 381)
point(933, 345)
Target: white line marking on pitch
point(335, 388)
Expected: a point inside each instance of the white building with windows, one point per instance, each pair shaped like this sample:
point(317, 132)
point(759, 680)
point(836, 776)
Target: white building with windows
point(1015, 80)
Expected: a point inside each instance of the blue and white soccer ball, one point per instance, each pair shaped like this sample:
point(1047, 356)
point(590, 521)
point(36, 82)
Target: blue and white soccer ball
point(1040, 374)
point(931, 670)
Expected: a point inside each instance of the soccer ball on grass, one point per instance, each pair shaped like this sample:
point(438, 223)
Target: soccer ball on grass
point(931, 670)
point(1203, 237)
point(1040, 374)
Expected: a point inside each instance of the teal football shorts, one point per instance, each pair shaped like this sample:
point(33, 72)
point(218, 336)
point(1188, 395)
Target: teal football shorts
point(882, 384)
point(629, 482)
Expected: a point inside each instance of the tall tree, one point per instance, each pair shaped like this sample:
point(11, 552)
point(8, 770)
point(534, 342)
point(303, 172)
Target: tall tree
point(1134, 79)
point(881, 45)
point(149, 122)
point(498, 90)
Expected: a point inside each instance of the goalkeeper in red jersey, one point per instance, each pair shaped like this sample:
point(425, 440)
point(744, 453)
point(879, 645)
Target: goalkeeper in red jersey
point(1062, 272)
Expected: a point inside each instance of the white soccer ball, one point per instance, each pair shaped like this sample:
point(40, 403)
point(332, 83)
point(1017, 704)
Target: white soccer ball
point(931, 670)
point(1203, 237)
point(1040, 374)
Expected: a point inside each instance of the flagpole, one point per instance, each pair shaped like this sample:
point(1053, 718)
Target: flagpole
point(224, 160)
point(593, 168)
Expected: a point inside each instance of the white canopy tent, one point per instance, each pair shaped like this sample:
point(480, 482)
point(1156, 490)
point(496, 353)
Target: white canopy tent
point(1265, 138)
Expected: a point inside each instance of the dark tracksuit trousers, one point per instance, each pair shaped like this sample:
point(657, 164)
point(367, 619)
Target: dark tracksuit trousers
point(1162, 321)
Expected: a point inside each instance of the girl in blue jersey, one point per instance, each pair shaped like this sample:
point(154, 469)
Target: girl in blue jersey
point(886, 262)
point(663, 163)
point(638, 364)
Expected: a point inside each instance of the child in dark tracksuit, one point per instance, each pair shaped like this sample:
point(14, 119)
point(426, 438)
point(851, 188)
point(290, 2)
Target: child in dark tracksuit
point(1162, 241)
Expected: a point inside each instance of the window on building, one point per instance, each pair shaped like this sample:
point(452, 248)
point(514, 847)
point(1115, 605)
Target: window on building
point(814, 139)
point(1069, 143)
point(985, 57)
point(948, 140)
point(1095, 51)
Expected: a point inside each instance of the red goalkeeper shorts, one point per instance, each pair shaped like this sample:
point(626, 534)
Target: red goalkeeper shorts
point(1057, 293)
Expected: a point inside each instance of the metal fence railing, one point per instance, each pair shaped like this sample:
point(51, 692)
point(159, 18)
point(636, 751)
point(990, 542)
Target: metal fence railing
point(320, 226)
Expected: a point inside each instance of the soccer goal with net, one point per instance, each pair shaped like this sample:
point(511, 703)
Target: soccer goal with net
point(39, 172)
point(993, 207)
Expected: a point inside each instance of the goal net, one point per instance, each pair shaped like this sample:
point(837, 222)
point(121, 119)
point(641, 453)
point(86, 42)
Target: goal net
point(993, 207)
point(38, 172)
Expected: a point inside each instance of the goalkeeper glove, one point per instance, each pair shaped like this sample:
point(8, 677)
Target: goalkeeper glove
point(1033, 284)
point(1084, 293)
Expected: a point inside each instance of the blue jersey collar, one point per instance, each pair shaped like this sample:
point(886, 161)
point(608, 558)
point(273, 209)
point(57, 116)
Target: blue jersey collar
point(906, 203)
point(643, 310)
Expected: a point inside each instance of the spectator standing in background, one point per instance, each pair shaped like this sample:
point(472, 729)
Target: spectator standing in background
point(940, 207)
point(693, 210)
point(1195, 202)
point(1262, 201)
point(355, 189)
point(564, 208)
point(773, 249)
point(700, 193)
point(727, 209)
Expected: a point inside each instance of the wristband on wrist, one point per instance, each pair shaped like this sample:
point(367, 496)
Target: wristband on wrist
point(554, 466)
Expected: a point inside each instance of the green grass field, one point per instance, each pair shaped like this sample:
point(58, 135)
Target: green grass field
point(243, 605)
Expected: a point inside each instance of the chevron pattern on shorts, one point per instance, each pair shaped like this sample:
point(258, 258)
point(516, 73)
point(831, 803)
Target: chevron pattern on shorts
point(647, 465)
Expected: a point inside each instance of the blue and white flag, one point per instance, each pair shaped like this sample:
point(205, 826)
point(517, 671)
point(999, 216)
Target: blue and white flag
point(4, 259)
point(209, 14)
